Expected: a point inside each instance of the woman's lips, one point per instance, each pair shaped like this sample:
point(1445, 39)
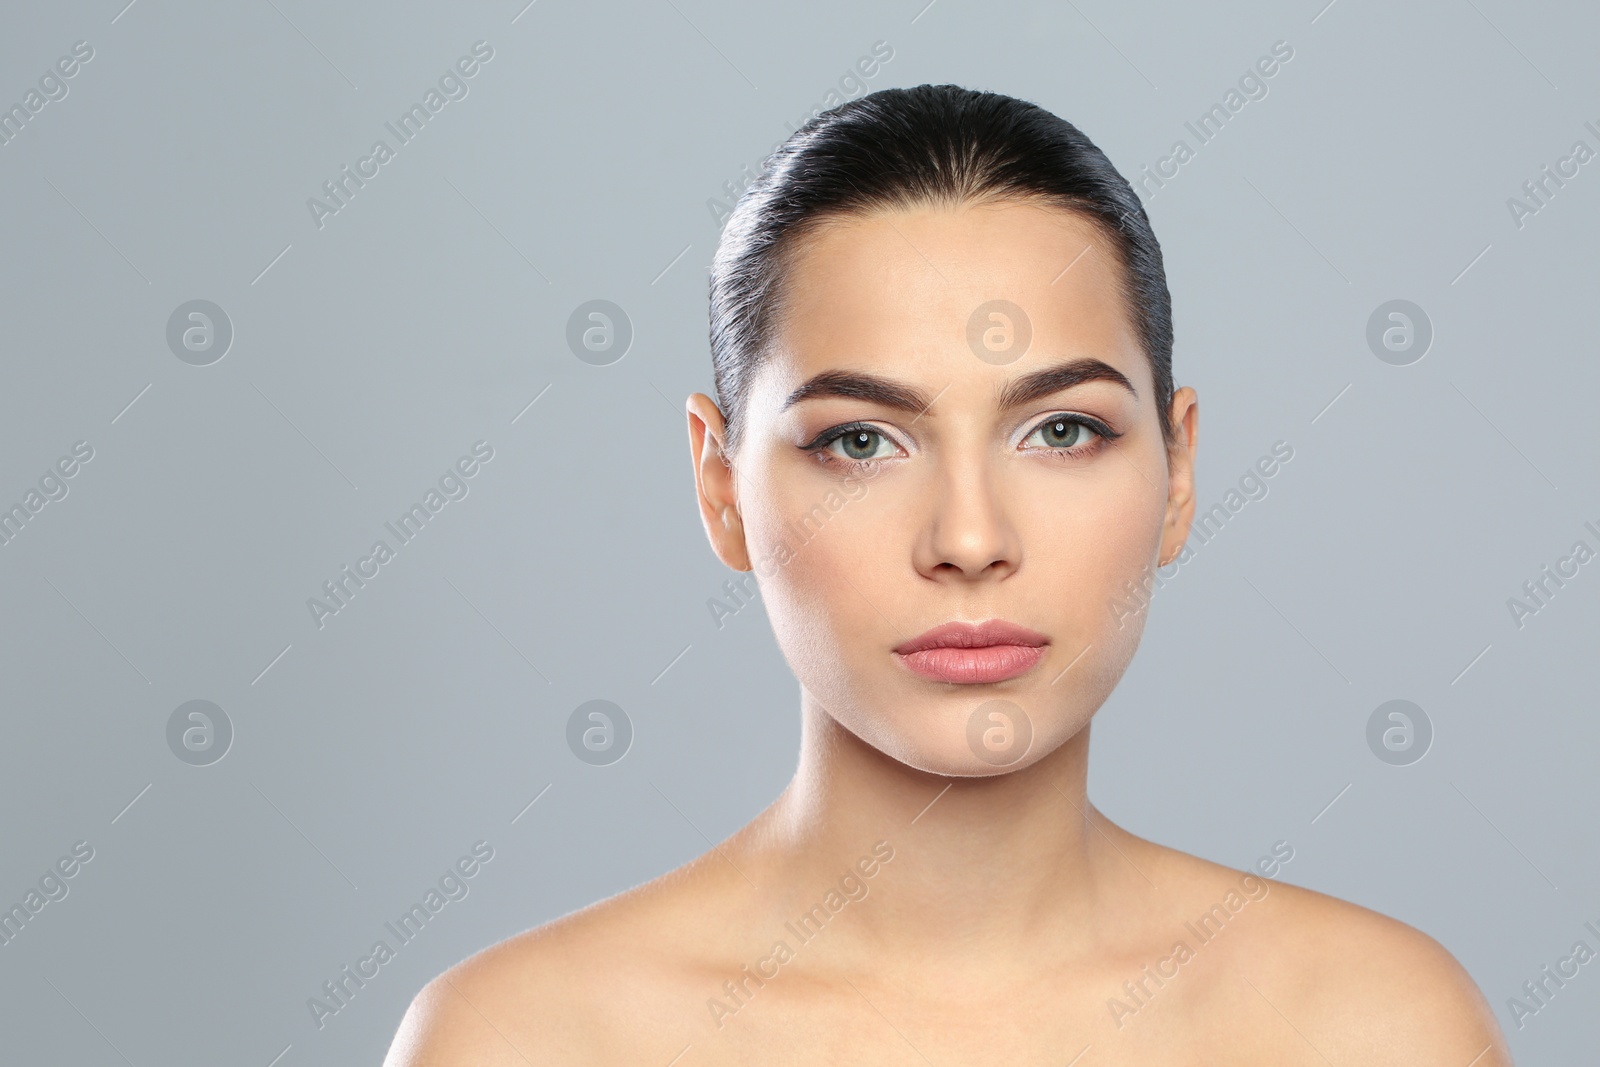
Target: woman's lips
point(991, 663)
point(967, 652)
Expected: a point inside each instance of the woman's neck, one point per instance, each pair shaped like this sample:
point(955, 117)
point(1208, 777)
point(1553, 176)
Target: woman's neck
point(983, 868)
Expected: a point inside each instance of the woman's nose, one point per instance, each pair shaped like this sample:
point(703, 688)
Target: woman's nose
point(967, 532)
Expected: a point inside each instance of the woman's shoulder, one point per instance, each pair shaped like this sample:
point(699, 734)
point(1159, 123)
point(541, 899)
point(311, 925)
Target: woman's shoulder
point(1354, 983)
point(565, 990)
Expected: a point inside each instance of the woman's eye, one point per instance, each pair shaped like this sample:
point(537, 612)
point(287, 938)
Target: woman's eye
point(859, 445)
point(1063, 432)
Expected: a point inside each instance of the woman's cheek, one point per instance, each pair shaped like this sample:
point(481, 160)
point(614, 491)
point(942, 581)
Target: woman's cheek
point(1104, 565)
point(1130, 572)
point(801, 554)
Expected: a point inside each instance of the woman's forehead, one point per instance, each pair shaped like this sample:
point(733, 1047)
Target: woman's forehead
point(918, 291)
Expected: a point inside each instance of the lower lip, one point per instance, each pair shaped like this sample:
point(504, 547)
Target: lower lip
point(992, 663)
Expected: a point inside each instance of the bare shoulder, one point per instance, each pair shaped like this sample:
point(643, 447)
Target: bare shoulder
point(504, 1005)
point(586, 988)
point(1384, 991)
point(1357, 985)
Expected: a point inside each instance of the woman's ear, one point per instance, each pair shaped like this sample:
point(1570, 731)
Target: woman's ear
point(714, 481)
point(1185, 418)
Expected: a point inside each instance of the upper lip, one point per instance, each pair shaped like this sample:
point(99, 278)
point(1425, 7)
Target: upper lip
point(973, 635)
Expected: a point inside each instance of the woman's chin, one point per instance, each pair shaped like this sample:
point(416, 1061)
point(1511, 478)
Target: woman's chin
point(996, 738)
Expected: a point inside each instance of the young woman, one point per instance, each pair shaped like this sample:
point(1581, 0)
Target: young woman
point(947, 442)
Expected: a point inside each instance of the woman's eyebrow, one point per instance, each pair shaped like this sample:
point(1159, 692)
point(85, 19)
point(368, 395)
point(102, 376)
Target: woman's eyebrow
point(876, 389)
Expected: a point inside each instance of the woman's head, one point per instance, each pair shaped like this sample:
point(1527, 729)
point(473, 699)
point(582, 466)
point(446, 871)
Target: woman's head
point(942, 343)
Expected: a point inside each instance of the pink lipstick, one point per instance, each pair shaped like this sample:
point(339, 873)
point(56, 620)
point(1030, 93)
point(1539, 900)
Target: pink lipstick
point(967, 653)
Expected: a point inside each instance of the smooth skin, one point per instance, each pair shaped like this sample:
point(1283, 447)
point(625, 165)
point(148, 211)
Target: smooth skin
point(1011, 913)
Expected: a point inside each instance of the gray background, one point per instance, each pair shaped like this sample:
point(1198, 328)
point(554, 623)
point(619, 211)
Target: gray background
point(369, 354)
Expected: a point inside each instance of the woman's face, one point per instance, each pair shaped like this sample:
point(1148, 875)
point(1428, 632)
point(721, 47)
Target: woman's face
point(918, 453)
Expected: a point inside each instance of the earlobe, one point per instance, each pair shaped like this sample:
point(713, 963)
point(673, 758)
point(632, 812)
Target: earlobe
point(729, 542)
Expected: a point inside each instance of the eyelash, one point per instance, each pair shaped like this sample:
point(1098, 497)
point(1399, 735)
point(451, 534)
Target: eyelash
point(1103, 436)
